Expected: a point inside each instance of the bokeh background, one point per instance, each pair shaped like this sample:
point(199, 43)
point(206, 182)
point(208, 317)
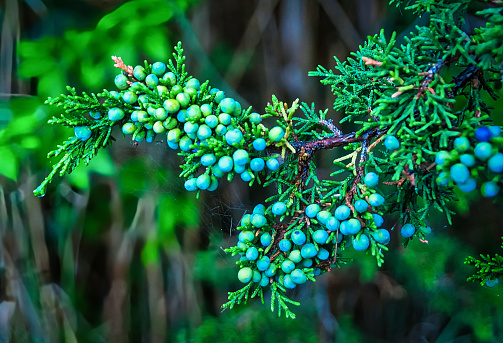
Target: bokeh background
point(119, 252)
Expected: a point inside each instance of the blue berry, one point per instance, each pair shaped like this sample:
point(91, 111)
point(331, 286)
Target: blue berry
point(492, 282)
point(129, 97)
point(279, 208)
point(312, 210)
point(298, 237)
point(128, 128)
point(208, 160)
point(468, 186)
point(264, 281)
point(288, 283)
point(83, 133)
point(378, 219)
point(461, 144)
point(323, 216)
point(441, 157)
point(287, 266)
point(284, 245)
point(495, 131)
point(353, 226)
point(483, 134)
point(240, 157)
point(214, 184)
point(259, 144)
point(443, 179)
point(246, 236)
point(257, 164)
point(276, 133)
point(255, 118)
point(206, 110)
point(211, 121)
point(332, 224)
point(258, 220)
point(185, 143)
point(320, 236)
point(495, 163)
point(228, 105)
point(115, 114)
point(323, 254)
point(490, 189)
point(271, 271)
point(407, 230)
point(266, 239)
point(361, 243)
point(158, 68)
point(233, 137)
point(190, 127)
point(183, 99)
point(245, 274)
point(468, 160)
point(391, 143)
point(152, 81)
point(371, 179)
point(272, 164)
point(382, 236)
point(246, 176)
point(171, 105)
point(483, 150)
point(344, 227)
point(307, 262)
point(295, 256)
point(298, 276)
point(139, 73)
point(203, 181)
point(121, 81)
point(342, 212)
point(190, 185)
point(263, 263)
point(95, 115)
point(193, 83)
point(260, 208)
point(219, 96)
point(376, 199)
point(225, 164)
point(459, 173)
point(194, 113)
point(361, 205)
point(308, 250)
point(252, 254)
point(204, 132)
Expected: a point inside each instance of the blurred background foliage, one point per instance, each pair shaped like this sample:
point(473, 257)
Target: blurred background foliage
point(119, 252)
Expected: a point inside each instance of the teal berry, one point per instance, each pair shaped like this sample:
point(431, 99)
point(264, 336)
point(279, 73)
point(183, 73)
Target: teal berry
point(483, 151)
point(371, 179)
point(211, 121)
point(295, 256)
point(271, 271)
point(183, 99)
point(252, 254)
point(190, 127)
point(190, 91)
point(426, 230)
point(495, 163)
point(152, 81)
point(276, 134)
point(239, 169)
point(158, 68)
point(285, 245)
point(266, 239)
point(143, 98)
point(323, 216)
point(121, 81)
point(468, 186)
point(391, 143)
point(245, 274)
point(443, 179)
point(115, 95)
point(298, 237)
point(150, 136)
point(495, 131)
point(461, 144)
point(208, 160)
point(255, 118)
point(264, 281)
point(225, 163)
point(204, 132)
point(441, 157)
point(139, 73)
point(173, 145)
point(158, 127)
point(353, 226)
point(257, 164)
point(224, 118)
point(170, 123)
point(216, 171)
point(344, 227)
point(288, 283)
point(83, 133)
point(333, 224)
point(259, 208)
point(259, 144)
point(279, 208)
point(490, 189)
point(492, 282)
point(323, 254)
point(175, 90)
point(263, 263)
point(258, 220)
point(185, 143)
point(308, 250)
point(129, 97)
point(160, 114)
point(272, 164)
point(459, 173)
point(214, 184)
point(245, 220)
point(361, 205)
point(307, 262)
point(246, 236)
point(483, 134)
point(378, 219)
point(115, 114)
point(219, 96)
point(238, 110)
point(206, 110)
point(376, 200)
point(407, 230)
point(246, 176)
point(361, 243)
point(241, 157)
point(193, 83)
point(287, 266)
point(190, 185)
point(342, 212)
point(233, 137)
point(194, 113)
point(142, 116)
point(298, 276)
point(139, 137)
point(320, 236)
point(257, 277)
point(468, 160)
point(203, 181)
point(228, 105)
point(312, 210)
point(174, 135)
point(382, 236)
point(95, 115)
point(171, 105)
point(128, 128)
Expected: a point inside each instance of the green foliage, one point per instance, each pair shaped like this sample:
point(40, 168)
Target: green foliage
point(417, 97)
point(490, 268)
